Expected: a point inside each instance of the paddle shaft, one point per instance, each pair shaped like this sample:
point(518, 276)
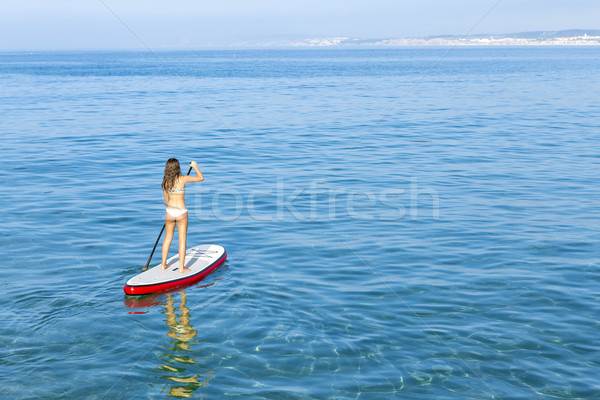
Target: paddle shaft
point(158, 239)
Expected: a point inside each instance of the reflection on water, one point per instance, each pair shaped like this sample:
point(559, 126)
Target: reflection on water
point(177, 357)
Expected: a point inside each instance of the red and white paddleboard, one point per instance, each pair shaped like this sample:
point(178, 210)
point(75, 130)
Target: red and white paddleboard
point(202, 260)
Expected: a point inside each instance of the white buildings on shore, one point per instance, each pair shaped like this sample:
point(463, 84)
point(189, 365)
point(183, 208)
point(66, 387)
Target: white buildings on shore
point(583, 40)
point(479, 40)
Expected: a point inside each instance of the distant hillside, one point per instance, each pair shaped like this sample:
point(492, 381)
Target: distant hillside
point(539, 38)
point(536, 35)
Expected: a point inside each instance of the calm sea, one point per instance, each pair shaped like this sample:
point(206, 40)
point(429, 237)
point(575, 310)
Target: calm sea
point(400, 223)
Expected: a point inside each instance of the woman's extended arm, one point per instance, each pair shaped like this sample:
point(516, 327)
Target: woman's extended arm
point(199, 177)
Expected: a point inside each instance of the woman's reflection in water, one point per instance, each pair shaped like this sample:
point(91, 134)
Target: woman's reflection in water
point(176, 360)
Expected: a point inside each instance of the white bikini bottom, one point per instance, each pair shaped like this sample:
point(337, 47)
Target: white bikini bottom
point(175, 212)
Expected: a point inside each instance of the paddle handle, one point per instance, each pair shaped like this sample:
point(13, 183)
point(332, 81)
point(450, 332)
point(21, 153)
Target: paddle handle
point(158, 239)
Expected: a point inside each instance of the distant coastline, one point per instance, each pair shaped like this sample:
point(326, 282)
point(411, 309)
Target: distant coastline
point(575, 37)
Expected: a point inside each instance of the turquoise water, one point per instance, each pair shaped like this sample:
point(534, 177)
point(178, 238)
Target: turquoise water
point(407, 223)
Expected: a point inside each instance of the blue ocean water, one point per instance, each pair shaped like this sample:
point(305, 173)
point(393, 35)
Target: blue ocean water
point(400, 223)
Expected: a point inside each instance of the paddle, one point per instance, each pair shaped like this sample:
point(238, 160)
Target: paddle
point(158, 238)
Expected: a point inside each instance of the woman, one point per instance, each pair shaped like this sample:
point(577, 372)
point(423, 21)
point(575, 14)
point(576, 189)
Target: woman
point(173, 186)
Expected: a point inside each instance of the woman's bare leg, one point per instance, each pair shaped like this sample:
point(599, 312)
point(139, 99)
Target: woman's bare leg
point(170, 230)
point(182, 224)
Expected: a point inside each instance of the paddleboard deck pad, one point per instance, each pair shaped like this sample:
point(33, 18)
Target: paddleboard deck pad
point(201, 260)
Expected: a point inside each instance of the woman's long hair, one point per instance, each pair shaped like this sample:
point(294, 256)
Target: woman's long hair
point(172, 172)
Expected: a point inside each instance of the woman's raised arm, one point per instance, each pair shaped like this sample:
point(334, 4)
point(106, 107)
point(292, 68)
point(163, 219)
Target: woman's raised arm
point(198, 178)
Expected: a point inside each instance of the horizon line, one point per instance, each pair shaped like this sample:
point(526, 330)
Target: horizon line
point(298, 42)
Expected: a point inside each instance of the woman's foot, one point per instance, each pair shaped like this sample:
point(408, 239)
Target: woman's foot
point(163, 267)
point(184, 270)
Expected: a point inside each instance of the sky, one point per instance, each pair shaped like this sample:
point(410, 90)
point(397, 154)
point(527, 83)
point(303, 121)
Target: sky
point(135, 24)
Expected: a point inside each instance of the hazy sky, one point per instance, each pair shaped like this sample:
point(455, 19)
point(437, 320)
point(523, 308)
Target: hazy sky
point(89, 24)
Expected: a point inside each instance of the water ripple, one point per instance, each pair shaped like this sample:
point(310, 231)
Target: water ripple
point(384, 242)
